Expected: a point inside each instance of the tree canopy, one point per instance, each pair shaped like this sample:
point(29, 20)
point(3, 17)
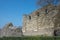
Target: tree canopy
point(45, 2)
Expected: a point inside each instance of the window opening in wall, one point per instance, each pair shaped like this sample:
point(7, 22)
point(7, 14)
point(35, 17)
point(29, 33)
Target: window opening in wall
point(46, 11)
point(38, 14)
point(30, 17)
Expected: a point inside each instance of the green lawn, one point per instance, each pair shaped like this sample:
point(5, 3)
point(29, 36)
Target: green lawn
point(30, 38)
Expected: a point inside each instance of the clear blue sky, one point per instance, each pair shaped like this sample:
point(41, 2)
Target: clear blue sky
point(13, 10)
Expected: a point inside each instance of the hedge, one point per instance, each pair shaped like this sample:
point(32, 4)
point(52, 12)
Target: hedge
point(30, 38)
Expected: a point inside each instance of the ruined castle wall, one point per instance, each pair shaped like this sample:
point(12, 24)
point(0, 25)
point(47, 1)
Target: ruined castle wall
point(11, 31)
point(41, 22)
point(38, 25)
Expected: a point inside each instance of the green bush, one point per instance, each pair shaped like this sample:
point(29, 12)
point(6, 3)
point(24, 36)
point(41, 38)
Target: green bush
point(30, 38)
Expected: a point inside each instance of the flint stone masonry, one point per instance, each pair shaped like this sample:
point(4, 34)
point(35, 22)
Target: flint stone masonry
point(10, 31)
point(43, 21)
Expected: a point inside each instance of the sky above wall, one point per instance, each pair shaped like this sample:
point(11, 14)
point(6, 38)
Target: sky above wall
point(13, 10)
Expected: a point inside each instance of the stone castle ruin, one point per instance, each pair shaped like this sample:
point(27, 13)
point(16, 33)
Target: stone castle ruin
point(10, 31)
point(44, 21)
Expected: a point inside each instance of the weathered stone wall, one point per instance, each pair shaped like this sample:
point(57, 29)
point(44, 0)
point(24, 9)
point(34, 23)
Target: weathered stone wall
point(11, 31)
point(39, 26)
point(41, 22)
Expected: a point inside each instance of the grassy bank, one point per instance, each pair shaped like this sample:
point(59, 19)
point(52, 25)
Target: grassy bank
point(30, 38)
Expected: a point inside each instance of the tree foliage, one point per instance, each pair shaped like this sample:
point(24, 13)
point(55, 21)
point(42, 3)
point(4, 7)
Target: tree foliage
point(45, 2)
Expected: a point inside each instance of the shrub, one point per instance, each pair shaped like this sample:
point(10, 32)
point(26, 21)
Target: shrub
point(30, 38)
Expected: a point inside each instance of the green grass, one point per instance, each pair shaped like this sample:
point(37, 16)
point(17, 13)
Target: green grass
point(30, 38)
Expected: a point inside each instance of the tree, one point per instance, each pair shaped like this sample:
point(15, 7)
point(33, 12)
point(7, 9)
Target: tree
point(45, 2)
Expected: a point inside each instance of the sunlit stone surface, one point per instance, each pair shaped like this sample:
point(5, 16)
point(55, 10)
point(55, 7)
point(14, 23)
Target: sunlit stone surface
point(43, 21)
